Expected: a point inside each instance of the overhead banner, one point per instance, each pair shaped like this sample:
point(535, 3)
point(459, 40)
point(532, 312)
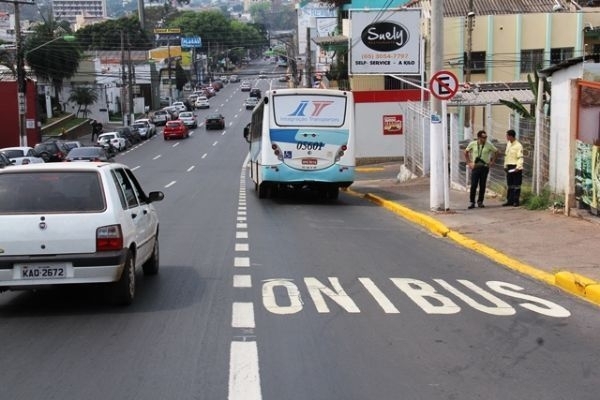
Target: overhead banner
point(386, 42)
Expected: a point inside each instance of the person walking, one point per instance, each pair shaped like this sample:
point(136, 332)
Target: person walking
point(513, 167)
point(479, 155)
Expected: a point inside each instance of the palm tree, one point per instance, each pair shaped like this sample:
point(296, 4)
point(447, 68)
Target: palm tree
point(84, 96)
point(520, 108)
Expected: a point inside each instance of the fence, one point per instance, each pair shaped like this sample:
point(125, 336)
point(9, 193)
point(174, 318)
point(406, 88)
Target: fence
point(417, 121)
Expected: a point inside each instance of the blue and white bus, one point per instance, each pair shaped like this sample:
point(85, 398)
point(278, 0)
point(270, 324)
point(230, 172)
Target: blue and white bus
point(302, 139)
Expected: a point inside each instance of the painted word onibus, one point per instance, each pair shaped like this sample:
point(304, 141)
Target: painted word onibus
point(302, 139)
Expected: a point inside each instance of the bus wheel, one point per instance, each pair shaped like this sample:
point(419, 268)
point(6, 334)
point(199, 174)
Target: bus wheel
point(263, 191)
point(333, 193)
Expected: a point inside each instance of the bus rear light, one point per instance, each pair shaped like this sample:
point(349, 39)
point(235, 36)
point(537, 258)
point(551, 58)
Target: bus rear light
point(277, 152)
point(344, 147)
point(109, 238)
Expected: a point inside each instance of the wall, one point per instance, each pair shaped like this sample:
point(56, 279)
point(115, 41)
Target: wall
point(370, 107)
point(9, 134)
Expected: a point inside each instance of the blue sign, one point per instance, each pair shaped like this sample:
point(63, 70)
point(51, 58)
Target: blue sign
point(193, 41)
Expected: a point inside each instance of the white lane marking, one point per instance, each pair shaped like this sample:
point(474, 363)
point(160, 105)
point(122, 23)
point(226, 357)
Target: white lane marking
point(242, 247)
point(235, 116)
point(157, 157)
point(242, 315)
point(135, 168)
point(215, 143)
point(241, 208)
point(244, 378)
point(379, 297)
point(241, 235)
point(190, 168)
point(241, 212)
point(241, 262)
point(242, 281)
point(223, 133)
point(170, 184)
point(241, 226)
point(204, 155)
point(176, 144)
point(241, 218)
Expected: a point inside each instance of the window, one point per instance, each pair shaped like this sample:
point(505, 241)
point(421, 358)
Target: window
point(125, 189)
point(395, 84)
point(532, 60)
point(477, 62)
point(560, 54)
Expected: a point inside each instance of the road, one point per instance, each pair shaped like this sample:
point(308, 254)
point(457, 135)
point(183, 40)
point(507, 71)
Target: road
point(294, 298)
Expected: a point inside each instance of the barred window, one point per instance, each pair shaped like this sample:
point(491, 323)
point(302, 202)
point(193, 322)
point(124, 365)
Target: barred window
point(532, 60)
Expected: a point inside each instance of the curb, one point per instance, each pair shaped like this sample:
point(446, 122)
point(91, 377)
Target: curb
point(576, 284)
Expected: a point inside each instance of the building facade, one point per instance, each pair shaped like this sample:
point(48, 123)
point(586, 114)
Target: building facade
point(68, 10)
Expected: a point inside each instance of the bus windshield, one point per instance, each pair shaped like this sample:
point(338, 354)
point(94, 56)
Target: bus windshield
point(313, 110)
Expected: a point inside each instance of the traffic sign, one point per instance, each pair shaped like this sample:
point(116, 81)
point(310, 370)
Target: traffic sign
point(443, 85)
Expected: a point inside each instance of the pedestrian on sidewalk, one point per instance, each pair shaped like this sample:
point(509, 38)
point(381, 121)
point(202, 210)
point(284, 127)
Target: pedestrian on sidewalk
point(513, 167)
point(479, 155)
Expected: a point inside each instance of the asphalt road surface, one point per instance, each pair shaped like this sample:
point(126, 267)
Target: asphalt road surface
point(294, 298)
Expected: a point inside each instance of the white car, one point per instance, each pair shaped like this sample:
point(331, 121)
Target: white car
point(145, 127)
point(189, 119)
point(202, 102)
point(180, 105)
point(114, 138)
point(22, 155)
point(85, 223)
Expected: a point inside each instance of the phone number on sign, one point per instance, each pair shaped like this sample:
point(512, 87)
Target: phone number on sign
point(394, 56)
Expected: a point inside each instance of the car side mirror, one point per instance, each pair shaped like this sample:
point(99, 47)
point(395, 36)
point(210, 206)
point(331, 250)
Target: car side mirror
point(155, 196)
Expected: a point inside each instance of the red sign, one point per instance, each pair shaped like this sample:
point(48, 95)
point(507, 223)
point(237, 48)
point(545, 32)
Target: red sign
point(443, 85)
point(392, 124)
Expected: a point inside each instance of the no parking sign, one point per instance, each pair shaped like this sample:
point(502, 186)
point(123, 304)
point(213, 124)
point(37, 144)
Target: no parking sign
point(443, 85)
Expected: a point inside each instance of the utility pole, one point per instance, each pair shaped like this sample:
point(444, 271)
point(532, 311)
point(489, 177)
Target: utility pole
point(469, 62)
point(130, 83)
point(436, 131)
point(169, 67)
point(21, 79)
point(308, 63)
point(123, 81)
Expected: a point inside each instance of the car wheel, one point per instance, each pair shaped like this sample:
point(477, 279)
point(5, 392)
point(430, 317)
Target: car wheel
point(150, 267)
point(123, 290)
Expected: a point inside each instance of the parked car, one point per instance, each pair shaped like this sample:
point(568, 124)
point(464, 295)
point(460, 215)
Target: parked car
point(189, 119)
point(217, 85)
point(245, 86)
point(21, 155)
point(4, 161)
point(224, 79)
point(255, 92)
point(234, 79)
point(85, 223)
point(89, 153)
point(250, 103)
point(112, 139)
point(173, 111)
point(262, 75)
point(53, 150)
point(175, 129)
point(131, 134)
point(71, 144)
point(145, 128)
point(214, 120)
point(202, 102)
point(284, 78)
point(160, 117)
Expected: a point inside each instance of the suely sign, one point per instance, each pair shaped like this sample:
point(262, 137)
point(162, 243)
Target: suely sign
point(390, 42)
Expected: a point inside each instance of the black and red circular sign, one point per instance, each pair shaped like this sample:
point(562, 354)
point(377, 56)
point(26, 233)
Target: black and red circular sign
point(443, 85)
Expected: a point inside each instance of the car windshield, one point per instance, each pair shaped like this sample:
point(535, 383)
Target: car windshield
point(186, 115)
point(140, 126)
point(13, 153)
point(214, 116)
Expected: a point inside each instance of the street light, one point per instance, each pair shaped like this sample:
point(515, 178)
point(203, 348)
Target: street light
point(22, 80)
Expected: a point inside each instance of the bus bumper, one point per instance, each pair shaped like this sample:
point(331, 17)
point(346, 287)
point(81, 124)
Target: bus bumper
point(339, 175)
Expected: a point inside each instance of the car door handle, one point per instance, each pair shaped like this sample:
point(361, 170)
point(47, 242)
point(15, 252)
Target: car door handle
point(133, 215)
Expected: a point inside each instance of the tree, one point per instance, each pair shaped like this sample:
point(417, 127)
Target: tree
point(50, 57)
point(521, 109)
point(107, 35)
point(84, 96)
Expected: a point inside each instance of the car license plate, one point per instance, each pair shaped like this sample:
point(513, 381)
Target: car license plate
point(309, 161)
point(44, 271)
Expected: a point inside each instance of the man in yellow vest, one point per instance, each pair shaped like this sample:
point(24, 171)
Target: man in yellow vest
point(479, 155)
point(513, 166)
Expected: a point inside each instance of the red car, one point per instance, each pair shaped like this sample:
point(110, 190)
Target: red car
point(175, 129)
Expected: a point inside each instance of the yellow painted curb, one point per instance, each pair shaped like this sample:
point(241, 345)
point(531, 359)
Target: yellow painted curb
point(369, 169)
point(576, 284)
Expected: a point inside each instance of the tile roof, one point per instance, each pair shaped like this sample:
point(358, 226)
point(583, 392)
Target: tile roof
point(460, 8)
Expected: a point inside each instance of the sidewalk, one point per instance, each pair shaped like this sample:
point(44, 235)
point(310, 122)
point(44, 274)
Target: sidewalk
point(557, 249)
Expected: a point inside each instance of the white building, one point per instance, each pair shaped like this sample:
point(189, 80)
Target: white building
point(68, 10)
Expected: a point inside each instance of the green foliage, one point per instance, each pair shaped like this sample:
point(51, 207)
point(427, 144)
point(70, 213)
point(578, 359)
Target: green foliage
point(543, 201)
point(521, 109)
point(84, 96)
point(107, 35)
point(180, 77)
point(50, 57)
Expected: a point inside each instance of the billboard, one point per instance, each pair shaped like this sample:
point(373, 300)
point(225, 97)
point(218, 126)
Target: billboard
point(308, 15)
point(386, 42)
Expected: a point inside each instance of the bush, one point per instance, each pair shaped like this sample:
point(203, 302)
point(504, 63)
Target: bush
point(543, 201)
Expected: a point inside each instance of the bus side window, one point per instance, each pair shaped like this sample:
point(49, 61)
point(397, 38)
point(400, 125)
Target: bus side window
point(247, 133)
